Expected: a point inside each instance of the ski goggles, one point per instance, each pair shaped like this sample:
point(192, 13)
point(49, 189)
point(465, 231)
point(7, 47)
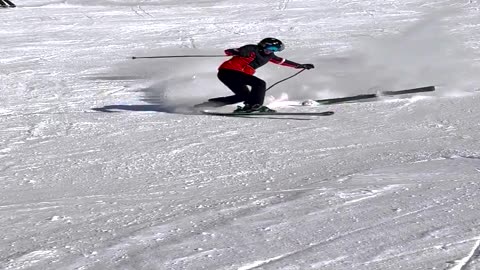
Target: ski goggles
point(274, 48)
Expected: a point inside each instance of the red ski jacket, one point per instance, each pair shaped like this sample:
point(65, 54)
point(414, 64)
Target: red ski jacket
point(248, 58)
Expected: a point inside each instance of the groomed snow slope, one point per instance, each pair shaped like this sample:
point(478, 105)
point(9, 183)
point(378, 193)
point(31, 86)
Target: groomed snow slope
point(103, 167)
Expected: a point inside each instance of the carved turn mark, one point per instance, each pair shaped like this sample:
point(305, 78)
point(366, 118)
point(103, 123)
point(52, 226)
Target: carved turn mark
point(257, 264)
point(29, 259)
point(463, 264)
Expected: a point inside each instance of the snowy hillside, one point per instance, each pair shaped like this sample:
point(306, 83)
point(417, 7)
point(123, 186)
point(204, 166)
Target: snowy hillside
point(104, 166)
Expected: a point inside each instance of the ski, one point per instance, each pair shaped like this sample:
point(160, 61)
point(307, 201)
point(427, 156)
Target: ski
point(408, 91)
point(366, 97)
point(324, 113)
point(346, 99)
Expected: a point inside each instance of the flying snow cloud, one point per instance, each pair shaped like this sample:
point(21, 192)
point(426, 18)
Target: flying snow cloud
point(429, 52)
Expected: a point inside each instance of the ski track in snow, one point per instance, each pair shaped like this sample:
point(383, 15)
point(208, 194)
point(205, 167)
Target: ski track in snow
point(464, 263)
point(391, 184)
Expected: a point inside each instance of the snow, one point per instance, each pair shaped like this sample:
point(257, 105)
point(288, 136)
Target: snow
point(104, 166)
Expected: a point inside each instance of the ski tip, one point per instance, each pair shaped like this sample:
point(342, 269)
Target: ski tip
point(427, 88)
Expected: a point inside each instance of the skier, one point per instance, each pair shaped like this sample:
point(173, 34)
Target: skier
point(238, 72)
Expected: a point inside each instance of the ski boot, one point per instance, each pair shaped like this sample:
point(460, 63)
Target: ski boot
point(253, 109)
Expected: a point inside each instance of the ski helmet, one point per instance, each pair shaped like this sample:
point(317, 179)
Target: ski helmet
point(271, 44)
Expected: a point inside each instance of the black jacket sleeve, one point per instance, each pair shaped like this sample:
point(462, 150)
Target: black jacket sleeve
point(244, 51)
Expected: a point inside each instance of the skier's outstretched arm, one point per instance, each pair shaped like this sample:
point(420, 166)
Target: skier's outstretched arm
point(284, 62)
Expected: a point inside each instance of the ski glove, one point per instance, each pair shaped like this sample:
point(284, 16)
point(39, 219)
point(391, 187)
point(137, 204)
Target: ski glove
point(306, 66)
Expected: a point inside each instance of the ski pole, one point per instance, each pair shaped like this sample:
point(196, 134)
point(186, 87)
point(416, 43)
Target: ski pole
point(285, 79)
point(176, 56)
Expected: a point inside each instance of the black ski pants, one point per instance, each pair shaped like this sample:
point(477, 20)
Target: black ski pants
point(237, 82)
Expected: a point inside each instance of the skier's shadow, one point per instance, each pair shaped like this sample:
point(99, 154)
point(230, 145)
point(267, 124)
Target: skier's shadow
point(154, 96)
point(154, 104)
